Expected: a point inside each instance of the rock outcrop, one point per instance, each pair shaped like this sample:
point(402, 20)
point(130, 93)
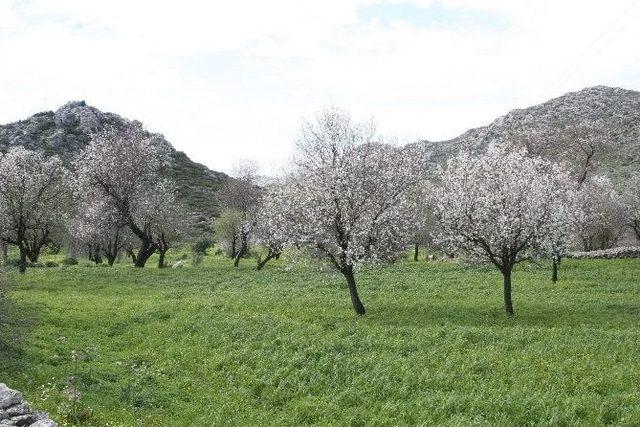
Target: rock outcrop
point(15, 412)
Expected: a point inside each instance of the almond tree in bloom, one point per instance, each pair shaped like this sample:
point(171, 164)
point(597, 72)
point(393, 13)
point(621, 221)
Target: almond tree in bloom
point(165, 218)
point(122, 167)
point(98, 227)
point(601, 216)
point(271, 230)
point(347, 199)
point(499, 206)
point(32, 198)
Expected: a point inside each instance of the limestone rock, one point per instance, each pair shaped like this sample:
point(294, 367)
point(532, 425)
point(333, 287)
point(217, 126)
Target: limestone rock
point(15, 412)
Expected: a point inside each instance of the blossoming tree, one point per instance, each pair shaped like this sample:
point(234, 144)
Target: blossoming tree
point(122, 167)
point(499, 206)
point(347, 198)
point(601, 216)
point(99, 228)
point(32, 198)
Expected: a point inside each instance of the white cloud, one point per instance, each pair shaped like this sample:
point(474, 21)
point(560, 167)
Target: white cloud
point(228, 80)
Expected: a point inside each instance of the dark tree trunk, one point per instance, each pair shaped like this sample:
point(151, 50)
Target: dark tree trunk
point(161, 254)
point(111, 259)
point(508, 304)
point(233, 247)
point(416, 251)
point(23, 259)
point(270, 255)
point(5, 251)
point(242, 251)
point(147, 248)
point(555, 263)
point(33, 254)
point(96, 256)
point(347, 271)
point(163, 247)
point(131, 254)
point(34, 246)
point(111, 251)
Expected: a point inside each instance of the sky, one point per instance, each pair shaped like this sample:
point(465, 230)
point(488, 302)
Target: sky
point(232, 81)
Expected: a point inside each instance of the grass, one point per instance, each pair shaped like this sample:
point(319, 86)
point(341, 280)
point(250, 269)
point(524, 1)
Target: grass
point(214, 345)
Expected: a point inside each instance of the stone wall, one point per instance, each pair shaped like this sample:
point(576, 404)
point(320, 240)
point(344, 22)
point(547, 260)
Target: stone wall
point(15, 412)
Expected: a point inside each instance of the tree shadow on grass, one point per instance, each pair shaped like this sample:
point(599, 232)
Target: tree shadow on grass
point(528, 314)
point(16, 322)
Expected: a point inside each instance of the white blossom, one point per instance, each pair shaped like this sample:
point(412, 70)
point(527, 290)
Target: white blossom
point(500, 205)
point(32, 200)
point(348, 199)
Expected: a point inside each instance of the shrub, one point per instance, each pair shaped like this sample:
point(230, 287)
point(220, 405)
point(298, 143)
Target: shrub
point(51, 264)
point(196, 258)
point(200, 246)
point(70, 261)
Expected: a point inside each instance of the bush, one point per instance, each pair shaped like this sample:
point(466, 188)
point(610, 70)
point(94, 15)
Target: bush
point(196, 258)
point(70, 261)
point(201, 246)
point(51, 264)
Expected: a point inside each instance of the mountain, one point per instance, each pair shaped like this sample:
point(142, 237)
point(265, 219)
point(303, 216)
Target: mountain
point(68, 130)
point(614, 111)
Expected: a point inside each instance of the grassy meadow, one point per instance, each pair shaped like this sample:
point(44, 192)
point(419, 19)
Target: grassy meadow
point(214, 345)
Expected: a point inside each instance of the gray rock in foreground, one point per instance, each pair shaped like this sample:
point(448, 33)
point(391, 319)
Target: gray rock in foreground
point(14, 411)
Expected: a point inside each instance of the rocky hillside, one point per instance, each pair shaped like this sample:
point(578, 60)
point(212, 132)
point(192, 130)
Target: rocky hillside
point(613, 109)
point(67, 131)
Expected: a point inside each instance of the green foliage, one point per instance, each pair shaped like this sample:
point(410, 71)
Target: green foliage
point(70, 261)
point(226, 230)
point(201, 246)
point(217, 345)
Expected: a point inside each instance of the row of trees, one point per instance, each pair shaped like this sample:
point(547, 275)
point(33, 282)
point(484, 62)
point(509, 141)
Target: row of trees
point(350, 199)
point(113, 200)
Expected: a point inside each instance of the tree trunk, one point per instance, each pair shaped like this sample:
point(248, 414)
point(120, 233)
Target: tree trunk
point(163, 247)
point(242, 251)
point(353, 290)
point(508, 304)
point(555, 262)
point(5, 251)
point(233, 247)
point(111, 259)
point(132, 255)
point(97, 257)
point(147, 248)
point(161, 263)
point(23, 259)
point(416, 251)
point(271, 255)
point(33, 254)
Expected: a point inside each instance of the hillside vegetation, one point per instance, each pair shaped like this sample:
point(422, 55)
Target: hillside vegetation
point(613, 108)
point(214, 345)
point(68, 130)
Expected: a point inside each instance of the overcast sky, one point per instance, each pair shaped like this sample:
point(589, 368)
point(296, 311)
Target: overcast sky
point(232, 80)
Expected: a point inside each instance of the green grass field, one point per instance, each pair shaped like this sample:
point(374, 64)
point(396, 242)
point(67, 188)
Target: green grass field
point(212, 345)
